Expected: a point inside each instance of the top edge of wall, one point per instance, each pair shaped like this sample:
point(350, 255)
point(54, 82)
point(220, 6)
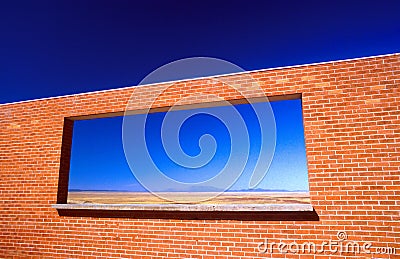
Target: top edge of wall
point(205, 77)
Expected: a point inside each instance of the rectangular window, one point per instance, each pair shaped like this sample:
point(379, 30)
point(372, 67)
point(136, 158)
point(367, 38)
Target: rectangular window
point(241, 156)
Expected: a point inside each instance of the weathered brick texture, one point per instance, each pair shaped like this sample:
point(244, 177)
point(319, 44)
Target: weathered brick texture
point(352, 129)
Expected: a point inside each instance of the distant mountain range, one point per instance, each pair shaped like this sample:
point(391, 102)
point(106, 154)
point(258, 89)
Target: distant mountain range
point(266, 190)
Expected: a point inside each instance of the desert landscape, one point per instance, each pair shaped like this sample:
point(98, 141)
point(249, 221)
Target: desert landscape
point(110, 197)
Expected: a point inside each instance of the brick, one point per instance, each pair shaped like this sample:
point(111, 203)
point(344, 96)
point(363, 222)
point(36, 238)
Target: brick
point(352, 135)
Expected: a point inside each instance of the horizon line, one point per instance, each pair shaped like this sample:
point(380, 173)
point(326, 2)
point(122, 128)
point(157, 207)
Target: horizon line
point(254, 190)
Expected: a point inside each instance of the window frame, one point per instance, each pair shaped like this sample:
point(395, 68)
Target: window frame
point(64, 170)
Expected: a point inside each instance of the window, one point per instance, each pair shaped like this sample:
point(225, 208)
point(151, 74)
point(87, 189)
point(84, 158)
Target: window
point(217, 156)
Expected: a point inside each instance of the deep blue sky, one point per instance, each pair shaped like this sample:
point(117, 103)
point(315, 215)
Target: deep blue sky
point(98, 161)
point(51, 48)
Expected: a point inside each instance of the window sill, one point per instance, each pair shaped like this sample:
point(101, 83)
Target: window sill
point(186, 207)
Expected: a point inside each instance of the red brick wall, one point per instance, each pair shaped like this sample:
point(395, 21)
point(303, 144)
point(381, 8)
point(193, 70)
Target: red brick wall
point(352, 129)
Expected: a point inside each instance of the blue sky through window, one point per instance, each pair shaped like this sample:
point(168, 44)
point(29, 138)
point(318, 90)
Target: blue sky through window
point(98, 161)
